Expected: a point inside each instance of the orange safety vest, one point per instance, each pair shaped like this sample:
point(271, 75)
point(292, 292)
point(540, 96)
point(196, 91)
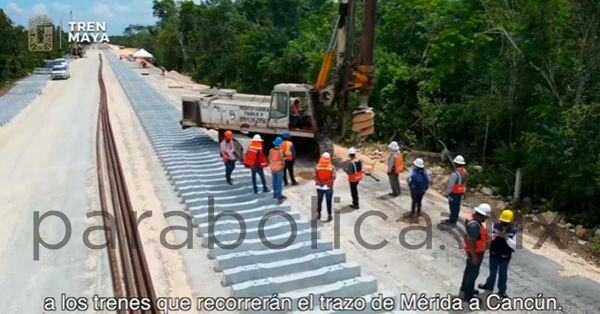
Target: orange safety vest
point(253, 149)
point(461, 186)
point(398, 163)
point(481, 244)
point(325, 173)
point(276, 160)
point(357, 175)
point(286, 147)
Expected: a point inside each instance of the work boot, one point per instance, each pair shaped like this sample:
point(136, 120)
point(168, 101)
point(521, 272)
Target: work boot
point(503, 295)
point(295, 183)
point(329, 218)
point(281, 199)
point(229, 182)
point(266, 190)
point(408, 215)
point(484, 287)
point(354, 206)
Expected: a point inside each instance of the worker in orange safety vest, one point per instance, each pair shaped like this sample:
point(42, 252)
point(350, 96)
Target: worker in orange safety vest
point(456, 188)
point(228, 154)
point(324, 179)
point(289, 151)
point(355, 173)
point(475, 245)
point(256, 161)
point(277, 165)
point(395, 165)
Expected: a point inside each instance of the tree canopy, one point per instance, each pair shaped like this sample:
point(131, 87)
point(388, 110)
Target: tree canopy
point(509, 84)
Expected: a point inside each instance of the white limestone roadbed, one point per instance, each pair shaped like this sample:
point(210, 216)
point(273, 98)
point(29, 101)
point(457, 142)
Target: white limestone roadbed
point(47, 163)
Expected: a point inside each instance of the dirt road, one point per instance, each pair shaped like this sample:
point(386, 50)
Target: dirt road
point(47, 163)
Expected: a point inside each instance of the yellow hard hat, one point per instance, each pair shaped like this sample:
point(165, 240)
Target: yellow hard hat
point(506, 215)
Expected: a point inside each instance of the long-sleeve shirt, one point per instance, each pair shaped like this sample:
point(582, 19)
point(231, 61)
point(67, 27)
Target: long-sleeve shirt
point(228, 149)
point(456, 177)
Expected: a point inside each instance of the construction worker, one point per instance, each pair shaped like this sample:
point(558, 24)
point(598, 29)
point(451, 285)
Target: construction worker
point(277, 165)
point(324, 178)
point(475, 245)
point(355, 174)
point(457, 185)
point(395, 165)
point(289, 151)
point(296, 115)
point(418, 184)
point(228, 154)
point(256, 161)
point(503, 245)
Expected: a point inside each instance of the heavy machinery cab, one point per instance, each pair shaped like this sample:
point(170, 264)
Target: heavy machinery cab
point(292, 109)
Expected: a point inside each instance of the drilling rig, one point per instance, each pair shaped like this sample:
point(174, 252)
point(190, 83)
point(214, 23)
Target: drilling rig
point(303, 110)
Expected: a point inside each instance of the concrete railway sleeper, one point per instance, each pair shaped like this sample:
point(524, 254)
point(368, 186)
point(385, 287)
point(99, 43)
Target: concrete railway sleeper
point(131, 276)
point(306, 265)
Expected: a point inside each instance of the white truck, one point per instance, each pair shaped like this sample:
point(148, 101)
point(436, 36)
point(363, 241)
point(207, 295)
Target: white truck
point(225, 109)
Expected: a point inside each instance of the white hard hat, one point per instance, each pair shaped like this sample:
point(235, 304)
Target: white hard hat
point(459, 159)
point(394, 146)
point(419, 163)
point(257, 138)
point(326, 156)
point(352, 151)
point(484, 209)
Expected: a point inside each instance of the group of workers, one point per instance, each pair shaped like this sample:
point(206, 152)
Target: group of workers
point(280, 161)
point(501, 242)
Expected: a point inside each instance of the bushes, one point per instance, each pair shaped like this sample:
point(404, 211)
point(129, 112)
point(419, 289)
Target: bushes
point(507, 84)
point(594, 245)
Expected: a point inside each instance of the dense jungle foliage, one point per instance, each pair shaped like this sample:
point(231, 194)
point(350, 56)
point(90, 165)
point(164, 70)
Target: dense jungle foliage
point(509, 84)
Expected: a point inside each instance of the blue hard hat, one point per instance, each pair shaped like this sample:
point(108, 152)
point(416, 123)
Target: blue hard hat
point(278, 141)
point(286, 134)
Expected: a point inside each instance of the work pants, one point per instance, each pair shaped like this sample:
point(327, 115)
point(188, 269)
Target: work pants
point(454, 202)
point(470, 276)
point(394, 183)
point(354, 193)
point(498, 266)
point(261, 174)
point(328, 194)
point(289, 167)
point(417, 199)
point(277, 183)
point(229, 166)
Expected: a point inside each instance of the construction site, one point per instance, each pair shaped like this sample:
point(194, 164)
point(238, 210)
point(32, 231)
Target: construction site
point(129, 187)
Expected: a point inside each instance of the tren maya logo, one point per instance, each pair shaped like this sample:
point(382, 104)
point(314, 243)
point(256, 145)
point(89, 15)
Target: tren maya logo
point(87, 32)
point(40, 33)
